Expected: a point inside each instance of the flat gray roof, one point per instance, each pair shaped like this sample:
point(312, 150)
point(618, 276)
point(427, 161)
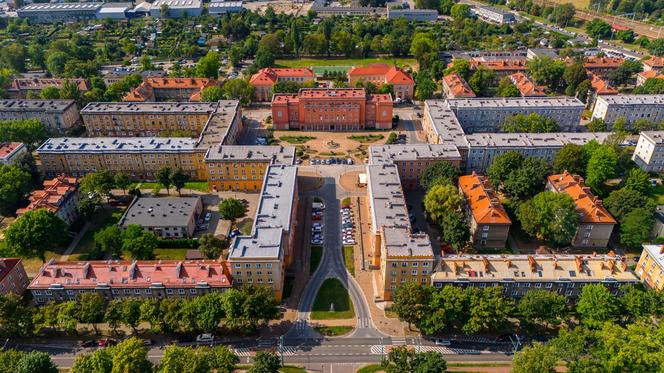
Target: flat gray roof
point(149, 107)
point(217, 127)
point(516, 102)
point(656, 137)
point(445, 123)
point(117, 144)
point(633, 99)
point(274, 154)
point(388, 203)
point(160, 212)
point(386, 154)
point(539, 140)
point(273, 216)
point(177, 4)
point(59, 7)
point(401, 242)
point(36, 105)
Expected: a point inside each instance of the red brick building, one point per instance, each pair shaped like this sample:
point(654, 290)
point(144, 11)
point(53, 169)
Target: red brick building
point(266, 78)
point(13, 278)
point(348, 109)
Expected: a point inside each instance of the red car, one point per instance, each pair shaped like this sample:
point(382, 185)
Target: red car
point(107, 342)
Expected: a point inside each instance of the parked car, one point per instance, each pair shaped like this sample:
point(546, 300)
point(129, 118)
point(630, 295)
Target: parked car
point(442, 342)
point(87, 343)
point(205, 338)
point(147, 342)
point(107, 342)
point(208, 216)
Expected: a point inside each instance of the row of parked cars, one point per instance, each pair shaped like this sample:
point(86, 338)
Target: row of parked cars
point(347, 226)
point(317, 212)
point(326, 161)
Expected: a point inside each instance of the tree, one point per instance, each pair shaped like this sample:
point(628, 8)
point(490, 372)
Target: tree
point(100, 183)
point(15, 184)
point(130, 356)
point(597, 125)
point(551, 216)
point(179, 179)
point(222, 359)
point(13, 56)
point(479, 81)
point(571, 158)
point(98, 362)
point(636, 227)
point(460, 11)
point(602, 166)
point(536, 358)
point(130, 313)
point(88, 206)
point(427, 4)
point(27, 131)
point(425, 87)
point(35, 232)
point(182, 359)
point(113, 314)
point(442, 200)
point(295, 37)
point(69, 90)
point(638, 180)
point(265, 362)
point(455, 230)
point(206, 311)
point(164, 178)
point(598, 29)
point(146, 63)
point(138, 243)
point(596, 305)
point(208, 66)
point(35, 362)
point(638, 302)
point(231, 209)
point(542, 306)
point(445, 308)
point(422, 46)
point(442, 172)
point(264, 57)
point(55, 63)
point(247, 307)
point(405, 360)
point(488, 309)
point(122, 181)
point(91, 309)
point(460, 67)
point(625, 71)
point(528, 179)
point(15, 317)
point(656, 47)
point(502, 165)
point(212, 94)
point(651, 86)
point(210, 246)
point(532, 123)
point(563, 13)
point(238, 89)
point(621, 202)
point(574, 74)
point(547, 71)
point(9, 359)
point(109, 239)
point(50, 93)
point(507, 89)
point(410, 300)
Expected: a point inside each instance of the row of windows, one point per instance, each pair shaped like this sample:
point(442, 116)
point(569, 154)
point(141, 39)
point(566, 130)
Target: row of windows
point(413, 272)
point(249, 265)
point(412, 264)
point(146, 291)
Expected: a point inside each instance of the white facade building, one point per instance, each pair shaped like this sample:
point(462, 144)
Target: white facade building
point(630, 107)
point(649, 152)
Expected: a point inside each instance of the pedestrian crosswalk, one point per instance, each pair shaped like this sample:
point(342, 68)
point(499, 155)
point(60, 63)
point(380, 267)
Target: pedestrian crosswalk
point(399, 341)
point(300, 324)
point(266, 342)
point(363, 322)
point(385, 349)
point(243, 352)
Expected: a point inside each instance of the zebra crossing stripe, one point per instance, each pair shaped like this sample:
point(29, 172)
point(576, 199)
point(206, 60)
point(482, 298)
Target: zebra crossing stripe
point(385, 349)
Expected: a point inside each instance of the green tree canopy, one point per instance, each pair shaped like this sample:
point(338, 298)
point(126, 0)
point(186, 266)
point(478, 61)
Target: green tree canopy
point(409, 301)
point(597, 305)
point(442, 200)
point(15, 184)
point(442, 172)
point(570, 158)
point(231, 209)
point(550, 216)
point(34, 233)
point(531, 123)
point(265, 362)
point(212, 94)
point(208, 66)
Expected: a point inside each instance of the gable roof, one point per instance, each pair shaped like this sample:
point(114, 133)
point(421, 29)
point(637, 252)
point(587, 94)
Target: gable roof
point(270, 75)
point(590, 208)
point(601, 86)
point(458, 86)
point(527, 86)
point(481, 199)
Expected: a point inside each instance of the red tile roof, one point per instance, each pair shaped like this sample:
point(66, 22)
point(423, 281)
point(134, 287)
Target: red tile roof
point(500, 65)
point(484, 205)
point(654, 62)
point(146, 89)
point(8, 148)
point(136, 274)
point(594, 62)
point(270, 75)
point(601, 86)
point(6, 266)
point(650, 74)
point(458, 86)
point(392, 74)
point(527, 86)
point(51, 197)
point(589, 207)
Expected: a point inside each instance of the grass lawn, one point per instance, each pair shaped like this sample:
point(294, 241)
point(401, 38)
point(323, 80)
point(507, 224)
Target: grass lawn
point(292, 369)
point(296, 139)
point(658, 194)
point(245, 226)
point(578, 4)
point(314, 258)
point(312, 62)
point(349, 259)
point(333, 331)
point(201, 186)
point(332, 292)
point(320, 70)
point(370, 368)
point(172, 254)
point(107, 217)
point(366, 138)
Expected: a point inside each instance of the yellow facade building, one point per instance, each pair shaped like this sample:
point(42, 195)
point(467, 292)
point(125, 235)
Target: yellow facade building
point(650, 267)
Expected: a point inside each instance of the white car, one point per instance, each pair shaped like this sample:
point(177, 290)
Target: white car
point(205, 338)
point(443, 342)
point(208, 216)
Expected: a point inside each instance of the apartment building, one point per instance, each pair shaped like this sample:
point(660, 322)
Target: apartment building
point(221, 7)
point(169, 89)
point(266, 78)
point(653, 63)
point(224, 127)
point(454, 86)
point(165, 217)
point(642, 77)
point(241, 167)
point(59, 116)
point(262, 256)
point(399, 254)
point(629, 107)
point(21, 88)
point(412, 159)
point(13, 278)
point(487, 218)
point(601, 86)
point(650, 267)
point(489, 114)
point(59, 196)
point(493, 14)
point(602, 66)
point(595, 222)
point(381, 74)
point(176, 8)
point(146, 118)
point(649, 151)
point(414, 15)
point(347, 109)
point(527, 86)
point(11, 152)
point(501, 68)
point(59, 12)
point(518, 274)
point(119, 279)
point(139, 157)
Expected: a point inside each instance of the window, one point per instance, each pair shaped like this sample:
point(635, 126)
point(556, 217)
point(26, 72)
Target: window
point(192, 291)
point(37, 292)
point(181, 291)
point(169, 291)
point(137, 291)
point(485, 228)
point(115, 291)
point(48, 292)
point(538, 285)
point(549, 285)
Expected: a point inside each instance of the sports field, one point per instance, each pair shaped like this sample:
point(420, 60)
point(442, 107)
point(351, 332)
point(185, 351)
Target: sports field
point(345, 62)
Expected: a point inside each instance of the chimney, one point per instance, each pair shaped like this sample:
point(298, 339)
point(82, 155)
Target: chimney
point(532, 263)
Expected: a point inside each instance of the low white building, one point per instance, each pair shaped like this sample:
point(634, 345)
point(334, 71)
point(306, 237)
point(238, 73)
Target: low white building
point(649, 151)
point(493, 14)
point(220, 7)
point(176, 8)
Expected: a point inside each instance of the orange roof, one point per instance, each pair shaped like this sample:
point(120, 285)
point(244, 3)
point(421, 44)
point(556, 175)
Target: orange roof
point(393, 74)
point(486, 208)
point(589, 207)
point(133, 274)
point(331, 94)
point(8, 148)
point(52, 195)
point(270, 75)
point(458, 86)
point(498, 65)
point(594, 61)
point(527, 86)
point(654, 62)
point(601, 86)
point(650, 74)
point(145, 91)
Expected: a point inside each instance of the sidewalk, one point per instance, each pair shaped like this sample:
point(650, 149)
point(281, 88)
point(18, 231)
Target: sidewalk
point(74, 242)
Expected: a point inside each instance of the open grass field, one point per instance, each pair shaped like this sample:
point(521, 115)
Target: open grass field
point(201, 186)
point(332, 292)
point(320, 70)
point(171, 254)
point(349, 259)
point(328, 62)
point(578, 4)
